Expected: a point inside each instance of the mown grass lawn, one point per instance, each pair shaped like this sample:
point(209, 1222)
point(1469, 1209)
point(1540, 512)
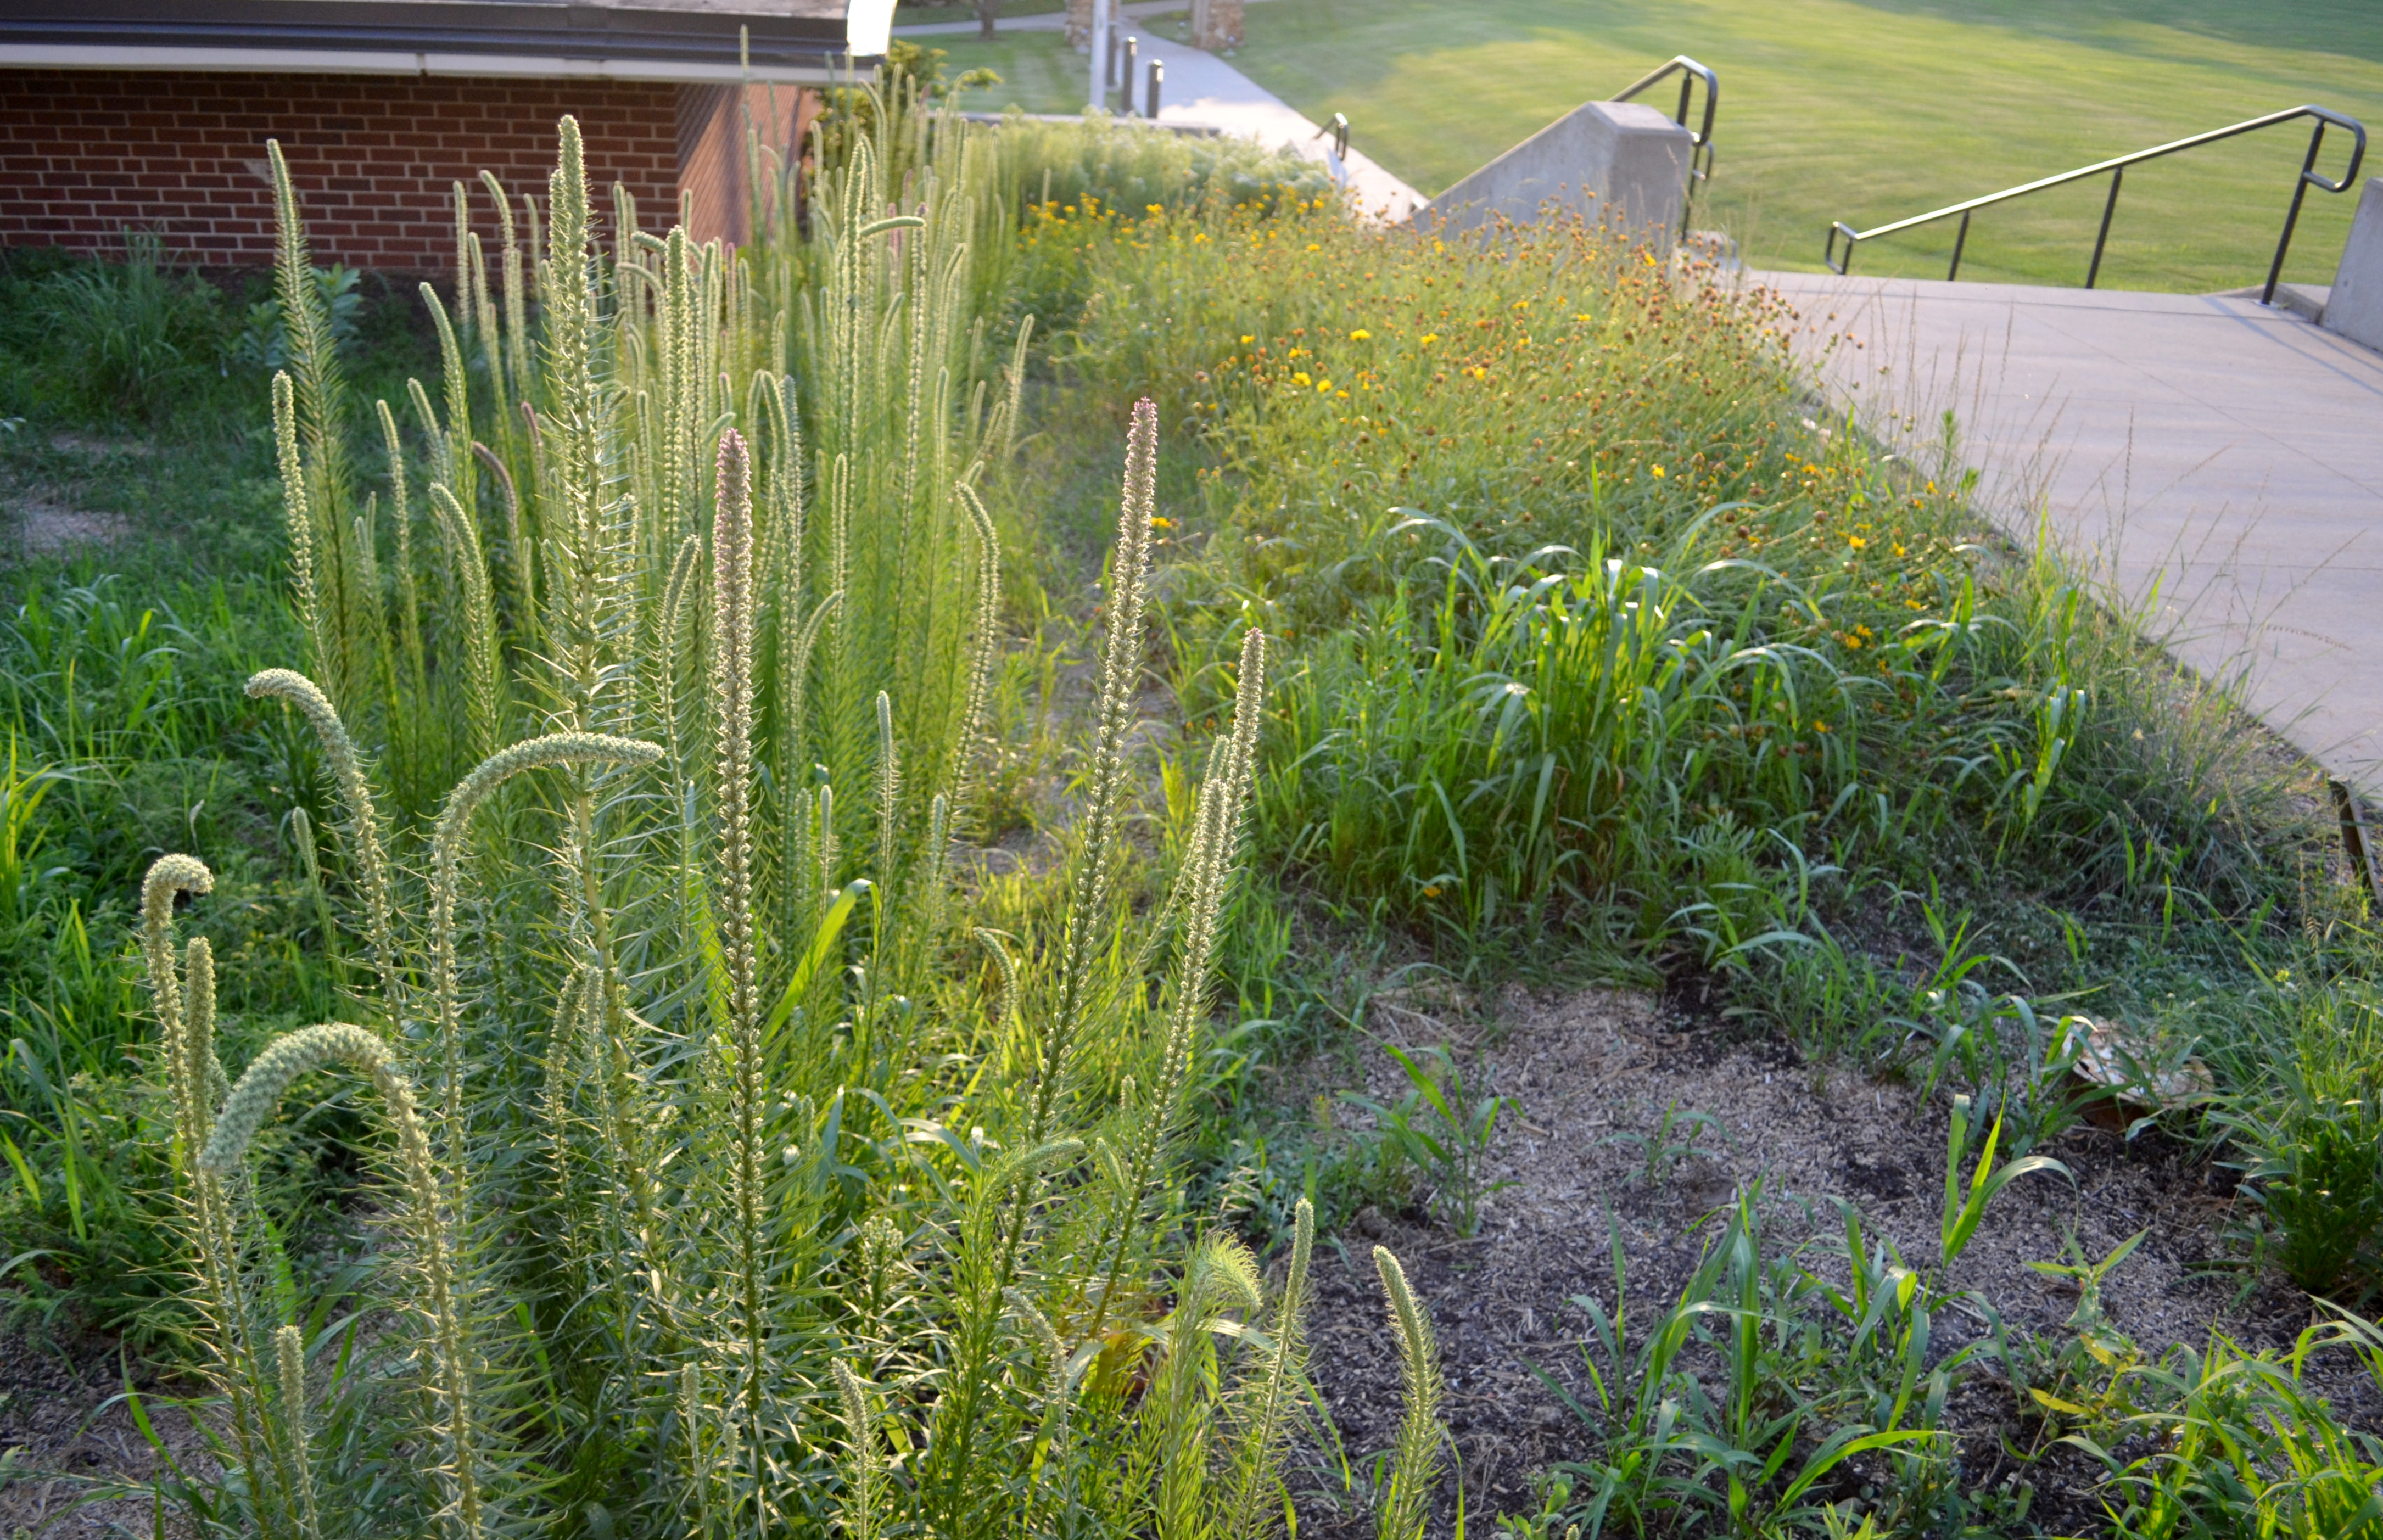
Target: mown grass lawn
point(1866, 112)
point(1039, 72)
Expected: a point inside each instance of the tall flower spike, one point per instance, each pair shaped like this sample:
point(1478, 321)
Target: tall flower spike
point(861, 1465)
point(199, 1066)
point(732, 698)
point(290, 1355)
point(348, 771)
point(889, 788)
point(245, 1112)
point(447, 842)
point(169, 876)
point(482, 660)
point(1415, 1457)
point(1257, 1481)
point(1121, 671)
point(298, 518)
point(987, 639)
point(401, 509)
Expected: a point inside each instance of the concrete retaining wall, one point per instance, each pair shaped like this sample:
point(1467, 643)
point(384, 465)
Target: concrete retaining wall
point(1622, 164)
point(2355, 307)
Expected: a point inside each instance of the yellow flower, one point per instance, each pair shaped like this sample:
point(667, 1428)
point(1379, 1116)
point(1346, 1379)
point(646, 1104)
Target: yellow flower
point(1154, 208)
point(1898, 550)
point(1427, 338)
point(1247, 339)
point(1913, 604)
point(1314, 247)
point(1658, 473)
point(1855, 541)
point(1820, 727)
point(1301, 379)
point(1344, 395)
point(1432, 891)
point(1157, 521)
point(1361, 335)
point(1322, 386)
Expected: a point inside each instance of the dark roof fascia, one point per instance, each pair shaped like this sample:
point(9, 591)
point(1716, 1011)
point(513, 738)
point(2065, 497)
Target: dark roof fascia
point(702, 39)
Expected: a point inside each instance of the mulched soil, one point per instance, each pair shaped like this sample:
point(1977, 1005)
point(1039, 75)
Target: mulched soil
point(64, 1446)
point(1586, 1066)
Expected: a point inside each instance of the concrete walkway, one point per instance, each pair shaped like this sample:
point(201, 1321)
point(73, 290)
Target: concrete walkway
point(1202, 91)
point(2221, 462)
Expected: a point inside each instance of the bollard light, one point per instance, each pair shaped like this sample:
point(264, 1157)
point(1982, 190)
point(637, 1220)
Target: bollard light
point(1132, 47)
point(1158, 73)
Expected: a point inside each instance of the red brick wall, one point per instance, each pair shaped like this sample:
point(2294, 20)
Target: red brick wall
point(715, 172)
point(86, 154)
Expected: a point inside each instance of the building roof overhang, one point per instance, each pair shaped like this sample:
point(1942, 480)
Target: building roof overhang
point(809, 42)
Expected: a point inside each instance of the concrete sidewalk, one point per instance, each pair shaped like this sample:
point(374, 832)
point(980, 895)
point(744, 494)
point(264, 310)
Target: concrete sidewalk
point(1202, 91)
point(2219, 461)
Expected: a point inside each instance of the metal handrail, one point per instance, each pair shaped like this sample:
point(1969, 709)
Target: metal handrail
point(1339, 129)
point(1701, 146)
point(2308, 178)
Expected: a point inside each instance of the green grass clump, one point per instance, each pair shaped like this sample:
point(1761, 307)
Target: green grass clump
point(1600, 629)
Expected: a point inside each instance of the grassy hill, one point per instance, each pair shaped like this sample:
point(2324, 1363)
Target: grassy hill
point(1870, 110)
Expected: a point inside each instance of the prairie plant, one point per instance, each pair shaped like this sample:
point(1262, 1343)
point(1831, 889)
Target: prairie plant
point(1414, 1459)
point(741, 1198)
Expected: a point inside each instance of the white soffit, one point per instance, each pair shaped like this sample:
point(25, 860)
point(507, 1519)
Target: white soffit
point(326, 61)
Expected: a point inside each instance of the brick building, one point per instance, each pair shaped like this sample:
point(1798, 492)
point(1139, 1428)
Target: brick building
point(152, 114)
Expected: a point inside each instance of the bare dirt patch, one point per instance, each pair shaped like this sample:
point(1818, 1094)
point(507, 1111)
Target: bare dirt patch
point(44, 528)
point(1583, 1068)
point(68, 1439)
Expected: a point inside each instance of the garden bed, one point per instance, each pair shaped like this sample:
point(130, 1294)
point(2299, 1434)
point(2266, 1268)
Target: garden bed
point(1591, 1074)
